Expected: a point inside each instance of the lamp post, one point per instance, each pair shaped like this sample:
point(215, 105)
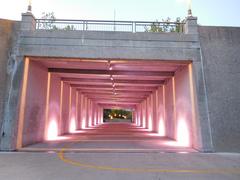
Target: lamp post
point(29, 6)
point(189, 7)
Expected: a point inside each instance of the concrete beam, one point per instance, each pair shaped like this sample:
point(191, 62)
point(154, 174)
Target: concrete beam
point(111, 72)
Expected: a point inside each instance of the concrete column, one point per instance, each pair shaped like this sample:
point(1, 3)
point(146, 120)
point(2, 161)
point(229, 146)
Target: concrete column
point(28, 22)
point(161, 121)
point(137, 115)
point(154, 111)
point(101, 111)
point(134, 116)
point(94, 114)
point(191, 26)
point(79, 109)
point(65, 108)
point(72, 110)
point(144, 113)
point(53, 117)
point(150, 113)
point(84, 112)
point(169, 95)
point(87, 113)
point(141, 117)
point(98, 115)
point(147, 113)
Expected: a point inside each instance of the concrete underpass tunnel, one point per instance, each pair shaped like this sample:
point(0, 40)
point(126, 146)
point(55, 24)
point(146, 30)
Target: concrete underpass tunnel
point(60, 96)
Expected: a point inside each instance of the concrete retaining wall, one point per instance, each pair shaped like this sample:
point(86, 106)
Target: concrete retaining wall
point(8, 37)
point(221, 61)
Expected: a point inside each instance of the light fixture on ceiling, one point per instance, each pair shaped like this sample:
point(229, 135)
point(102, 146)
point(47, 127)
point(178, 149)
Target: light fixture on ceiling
point(109, 65)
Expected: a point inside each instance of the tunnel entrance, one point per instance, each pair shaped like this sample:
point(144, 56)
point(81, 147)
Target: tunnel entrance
point(64, 100)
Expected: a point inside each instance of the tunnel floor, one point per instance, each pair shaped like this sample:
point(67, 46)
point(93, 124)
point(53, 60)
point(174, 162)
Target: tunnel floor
point(111, 137)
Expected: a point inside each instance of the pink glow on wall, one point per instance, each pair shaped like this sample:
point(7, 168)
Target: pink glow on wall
point(95, 120)
point(144, 122)
point(183, 135)
point(138, 119)
point(150, 124)
point(83, 123)
point(90, 121)
point(52, 131)
point(161, 127)
point(72, 126)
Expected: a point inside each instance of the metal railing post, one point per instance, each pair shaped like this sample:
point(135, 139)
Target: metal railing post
point(83, 25)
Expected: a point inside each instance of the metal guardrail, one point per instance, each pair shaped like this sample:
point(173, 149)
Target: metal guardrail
point(99, 25)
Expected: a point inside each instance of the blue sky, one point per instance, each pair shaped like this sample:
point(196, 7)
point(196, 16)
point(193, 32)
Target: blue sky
point(209, 12)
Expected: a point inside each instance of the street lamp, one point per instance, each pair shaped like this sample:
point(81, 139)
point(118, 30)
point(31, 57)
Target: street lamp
point(189, 7)
point(29, 6)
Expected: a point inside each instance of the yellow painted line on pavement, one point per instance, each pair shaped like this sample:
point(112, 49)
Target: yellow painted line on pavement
point(146, 170)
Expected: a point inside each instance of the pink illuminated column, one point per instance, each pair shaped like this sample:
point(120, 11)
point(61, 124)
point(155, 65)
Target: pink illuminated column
point(95, 114)
point(99, 115)
point(144, 119)
point(184, 107)
point(84, 112)
point(135, 116)
point(150, 113)
point(92, 113)
point(138, 115)
point(65, 108)
point(79, 110)
point(170, 108)
point(72, 108)
point(141, 115)
point(147, 113)
point(154, 111)
point(52, 123)
point(161, 125)
point(87, 112)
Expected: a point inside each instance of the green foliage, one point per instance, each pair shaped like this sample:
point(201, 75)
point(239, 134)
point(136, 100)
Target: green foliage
point(165, 26)
point(69, 28)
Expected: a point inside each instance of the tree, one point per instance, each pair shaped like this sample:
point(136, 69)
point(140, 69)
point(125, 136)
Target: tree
point(48, 20)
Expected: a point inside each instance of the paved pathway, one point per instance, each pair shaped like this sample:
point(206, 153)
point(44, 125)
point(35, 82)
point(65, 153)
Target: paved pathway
point(119, 166)
point(120, 137)
point(117, 151)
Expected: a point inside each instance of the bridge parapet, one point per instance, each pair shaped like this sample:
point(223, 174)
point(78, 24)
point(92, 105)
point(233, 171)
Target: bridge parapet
point(188, 26)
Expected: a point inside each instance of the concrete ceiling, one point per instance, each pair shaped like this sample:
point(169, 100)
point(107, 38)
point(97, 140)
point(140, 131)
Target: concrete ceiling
point(113, 83)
